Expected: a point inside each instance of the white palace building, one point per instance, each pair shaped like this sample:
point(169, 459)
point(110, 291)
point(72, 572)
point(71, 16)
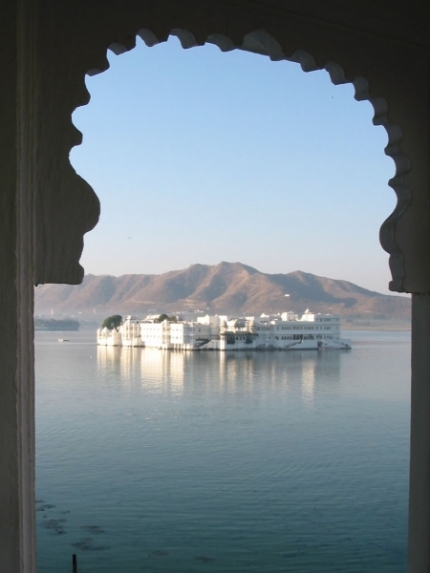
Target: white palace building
point(284, 331)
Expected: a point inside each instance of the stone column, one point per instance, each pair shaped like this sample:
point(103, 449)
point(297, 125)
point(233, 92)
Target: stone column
point(419, 488)
point(17, 529)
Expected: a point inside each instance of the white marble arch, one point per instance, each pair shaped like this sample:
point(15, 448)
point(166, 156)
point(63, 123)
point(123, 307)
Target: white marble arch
point(47, 47)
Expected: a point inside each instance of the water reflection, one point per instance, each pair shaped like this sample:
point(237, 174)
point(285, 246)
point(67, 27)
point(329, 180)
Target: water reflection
point(256, 460)
point(223, 372)
point(308, 382)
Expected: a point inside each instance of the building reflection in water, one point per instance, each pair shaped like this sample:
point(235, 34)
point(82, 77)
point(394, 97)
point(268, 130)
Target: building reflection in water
point(300, 372)
point(154, 369)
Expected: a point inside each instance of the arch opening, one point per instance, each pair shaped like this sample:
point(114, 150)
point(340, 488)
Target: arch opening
point(361, 209)
point(262, 43)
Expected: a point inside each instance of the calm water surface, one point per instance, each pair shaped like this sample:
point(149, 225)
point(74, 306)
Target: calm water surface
point(243, 462)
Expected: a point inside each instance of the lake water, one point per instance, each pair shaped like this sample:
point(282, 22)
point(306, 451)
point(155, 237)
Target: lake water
point(237, 462)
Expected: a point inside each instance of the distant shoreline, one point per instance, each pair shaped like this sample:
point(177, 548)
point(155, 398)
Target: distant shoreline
point(400, 325)
point(51, 324)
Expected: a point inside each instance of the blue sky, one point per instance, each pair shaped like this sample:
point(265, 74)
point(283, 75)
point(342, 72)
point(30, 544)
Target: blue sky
point(200, 156)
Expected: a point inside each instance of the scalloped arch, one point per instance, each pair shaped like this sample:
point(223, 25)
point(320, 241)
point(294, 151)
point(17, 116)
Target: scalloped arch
point(263, 43)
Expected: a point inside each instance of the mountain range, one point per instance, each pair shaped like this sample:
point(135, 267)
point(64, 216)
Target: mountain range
point(226, 288)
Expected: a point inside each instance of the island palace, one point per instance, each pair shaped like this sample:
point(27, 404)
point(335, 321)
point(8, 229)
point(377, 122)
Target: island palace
point(284, 331)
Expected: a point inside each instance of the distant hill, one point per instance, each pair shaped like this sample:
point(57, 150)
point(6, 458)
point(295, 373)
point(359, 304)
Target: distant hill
point(232, 288)
point(52, 324)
